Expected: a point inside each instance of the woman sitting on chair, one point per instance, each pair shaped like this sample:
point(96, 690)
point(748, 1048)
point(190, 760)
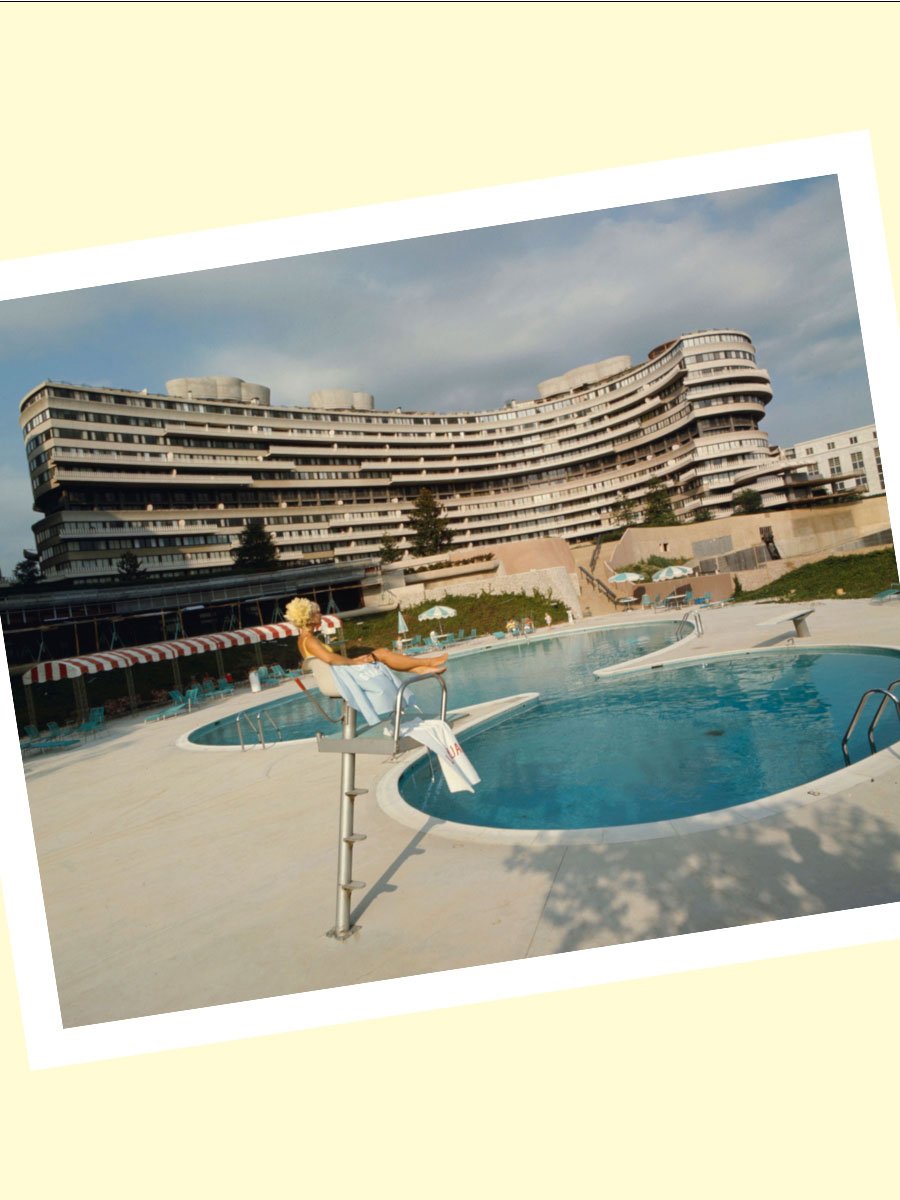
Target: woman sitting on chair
point(307, 616)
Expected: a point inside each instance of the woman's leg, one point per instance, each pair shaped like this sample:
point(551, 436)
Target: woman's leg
point(405, 662)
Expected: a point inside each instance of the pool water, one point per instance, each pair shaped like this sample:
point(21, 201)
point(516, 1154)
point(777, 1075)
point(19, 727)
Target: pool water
point(549, 665)
point(662, 743)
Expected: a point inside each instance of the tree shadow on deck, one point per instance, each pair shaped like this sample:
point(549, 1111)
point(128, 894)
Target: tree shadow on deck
point(829, 856)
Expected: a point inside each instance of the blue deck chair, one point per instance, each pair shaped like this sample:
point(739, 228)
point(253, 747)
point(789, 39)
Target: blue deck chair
point(225, 688)
point(473, 634)
point(93, 724)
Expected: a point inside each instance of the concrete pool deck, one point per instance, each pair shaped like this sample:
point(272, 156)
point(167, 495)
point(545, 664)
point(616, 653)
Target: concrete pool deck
point(178, 879)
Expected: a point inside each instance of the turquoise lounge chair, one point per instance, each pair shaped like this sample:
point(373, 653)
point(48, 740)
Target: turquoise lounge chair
point(171, 711)
point(93, 724)
point(53, 739)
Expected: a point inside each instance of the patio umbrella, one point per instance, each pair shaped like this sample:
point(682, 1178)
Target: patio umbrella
point(437, 612)
point(626, 577)
point(402, 626)
point(672, 573)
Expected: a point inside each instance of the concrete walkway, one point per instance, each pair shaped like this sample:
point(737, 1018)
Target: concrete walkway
point(176, 879)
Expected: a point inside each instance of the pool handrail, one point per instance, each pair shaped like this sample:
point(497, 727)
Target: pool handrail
point(887, 695)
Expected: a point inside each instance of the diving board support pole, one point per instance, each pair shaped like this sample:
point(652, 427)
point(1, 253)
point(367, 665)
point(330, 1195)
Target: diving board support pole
point(346, 884)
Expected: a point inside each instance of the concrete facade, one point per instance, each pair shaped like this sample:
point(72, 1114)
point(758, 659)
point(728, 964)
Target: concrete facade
point(176, 478)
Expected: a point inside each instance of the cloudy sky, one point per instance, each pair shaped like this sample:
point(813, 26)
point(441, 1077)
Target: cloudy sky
point(471, 320)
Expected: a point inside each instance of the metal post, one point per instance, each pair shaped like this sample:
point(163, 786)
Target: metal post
point(29, 704)
point(81, 700)
point(347, 838)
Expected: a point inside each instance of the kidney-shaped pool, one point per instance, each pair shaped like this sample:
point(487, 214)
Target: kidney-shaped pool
point(656, 744)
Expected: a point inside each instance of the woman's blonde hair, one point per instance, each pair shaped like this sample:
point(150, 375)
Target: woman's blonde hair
point(302, 612)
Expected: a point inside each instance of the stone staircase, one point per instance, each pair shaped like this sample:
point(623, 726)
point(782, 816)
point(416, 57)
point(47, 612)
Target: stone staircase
point(595, 596)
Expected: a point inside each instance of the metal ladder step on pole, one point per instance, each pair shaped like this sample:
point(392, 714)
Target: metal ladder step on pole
point(348, 745)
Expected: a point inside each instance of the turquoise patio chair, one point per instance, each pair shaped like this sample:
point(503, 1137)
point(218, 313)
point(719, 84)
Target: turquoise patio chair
point(93, 724)
point(171, 711)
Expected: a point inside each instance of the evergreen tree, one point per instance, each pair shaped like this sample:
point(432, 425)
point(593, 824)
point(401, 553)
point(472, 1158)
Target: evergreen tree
point(390, 550)
point(130, 567)
point(431, 533)
point(623, 512)
point(255, 551)
point(27, 573)
point(747, 501)
point(658, 509)
point(702, 514)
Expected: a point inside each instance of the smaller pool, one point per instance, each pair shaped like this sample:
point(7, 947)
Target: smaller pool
point(547, 663)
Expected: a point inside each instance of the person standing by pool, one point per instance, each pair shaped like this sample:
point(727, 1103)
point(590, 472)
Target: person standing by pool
point(307, 616)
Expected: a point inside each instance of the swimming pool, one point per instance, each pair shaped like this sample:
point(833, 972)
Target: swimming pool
point(534, 664)
point(657, 744)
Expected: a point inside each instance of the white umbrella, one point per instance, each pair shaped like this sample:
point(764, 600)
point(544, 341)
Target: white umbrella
point(402, 626)
point(672, 573)
point(437, 612)
point(626, 577)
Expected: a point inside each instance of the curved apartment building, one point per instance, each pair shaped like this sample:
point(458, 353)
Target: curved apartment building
point(175, 478)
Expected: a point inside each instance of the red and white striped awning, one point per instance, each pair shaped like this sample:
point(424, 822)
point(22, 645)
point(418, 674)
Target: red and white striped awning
point(134, 656)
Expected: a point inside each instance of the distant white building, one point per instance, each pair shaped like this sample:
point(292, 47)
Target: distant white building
point(823, 470)
point(854, 452)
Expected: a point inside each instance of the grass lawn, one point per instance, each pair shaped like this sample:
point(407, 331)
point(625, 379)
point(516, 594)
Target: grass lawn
point(848, 576)
point(484, 612)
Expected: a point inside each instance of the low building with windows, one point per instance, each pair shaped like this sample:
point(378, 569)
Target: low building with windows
point(851, 458)
point(175, 478)
point(825, 470)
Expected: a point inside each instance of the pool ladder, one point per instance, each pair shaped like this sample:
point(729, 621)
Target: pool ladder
point(348, 745)
point(690, 620)
point(887, 696)
point(256, 728)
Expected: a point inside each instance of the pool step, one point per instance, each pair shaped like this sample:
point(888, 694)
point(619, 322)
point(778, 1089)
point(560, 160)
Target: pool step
point(352, 838)
point(352, 885)
point(355, 791)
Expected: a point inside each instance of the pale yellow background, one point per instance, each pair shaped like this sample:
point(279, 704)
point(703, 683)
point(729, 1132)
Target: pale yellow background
point(124, 121)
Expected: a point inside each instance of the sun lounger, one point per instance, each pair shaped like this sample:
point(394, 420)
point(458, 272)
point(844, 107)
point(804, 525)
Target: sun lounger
point(54, 738)
point(171, 711)
point(93, 724)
